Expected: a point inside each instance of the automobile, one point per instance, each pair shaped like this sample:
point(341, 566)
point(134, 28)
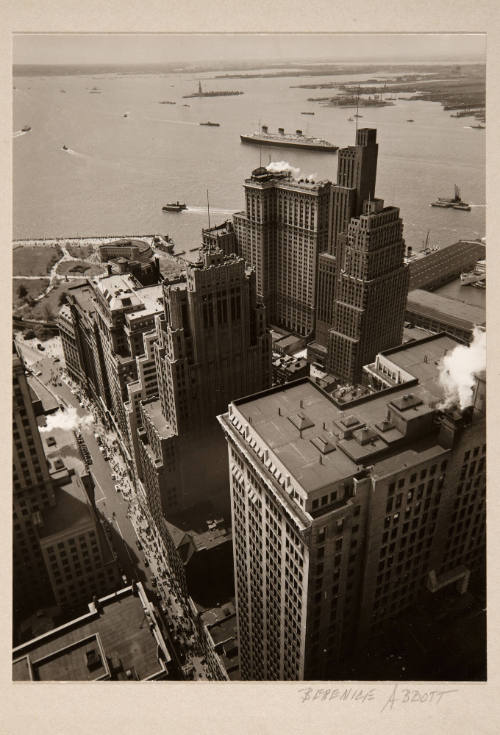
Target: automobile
point(38, 373)
point(40, 347)
point(139, 545)
point(51, 441)
point(146, 563)
point(57, 359)
point(154, 582)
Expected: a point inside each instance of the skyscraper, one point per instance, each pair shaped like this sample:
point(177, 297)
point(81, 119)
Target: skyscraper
point(61, 554)
point(346, 515)
point(281, 232)
point(356, 177)
point(371, 288)
point(211, 344)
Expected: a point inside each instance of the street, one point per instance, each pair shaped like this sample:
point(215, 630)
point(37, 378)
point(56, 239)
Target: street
point(124, 520)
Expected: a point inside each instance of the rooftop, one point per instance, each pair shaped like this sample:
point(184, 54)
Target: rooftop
point(121, 636)
point(84, 296)
point(118, 291)
point(319, 441)
point(71, 512)
point(456, 313)
point(151, 297)
point(152, 409)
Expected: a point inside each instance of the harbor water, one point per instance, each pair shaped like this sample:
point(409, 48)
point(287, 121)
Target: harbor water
point(127, 155)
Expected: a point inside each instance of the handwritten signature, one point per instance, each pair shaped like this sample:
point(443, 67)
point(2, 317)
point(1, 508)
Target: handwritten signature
point(398, 696)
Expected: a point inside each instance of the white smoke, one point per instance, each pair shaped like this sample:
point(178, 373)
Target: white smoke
point(312, 177)
point(458, 369)
point(67, 420)
point(280, 166)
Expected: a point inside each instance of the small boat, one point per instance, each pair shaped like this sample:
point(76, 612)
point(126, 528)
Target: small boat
point(410, 120)
point(453, 203)
point(125, 114)
point(211, 124)
point(62, 91)
point(350, 119)
point(166, 102)
point(26, 129)
point(478, 127)
point(186, 105)
point(65, 147)
point(174, 207)
point(307, 113)
point(356, 115)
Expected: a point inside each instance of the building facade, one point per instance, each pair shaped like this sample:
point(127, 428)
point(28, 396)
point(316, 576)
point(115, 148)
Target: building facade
point(356, 178)
point(211, 343)
point(346, 515)
point(370, 292)
point(61, 554)
point(280, 234)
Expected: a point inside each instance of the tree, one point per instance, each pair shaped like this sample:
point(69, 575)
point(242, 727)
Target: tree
point(63, 299)
point(22, 291)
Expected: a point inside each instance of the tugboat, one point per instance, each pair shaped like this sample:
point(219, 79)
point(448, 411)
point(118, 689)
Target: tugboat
point(125, 114)
point(65, 147)
point(211, 124)
point(26, 129)
point(174, 207)
point(454, 203)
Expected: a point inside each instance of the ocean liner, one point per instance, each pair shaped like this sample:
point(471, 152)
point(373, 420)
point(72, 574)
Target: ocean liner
point(289, 140)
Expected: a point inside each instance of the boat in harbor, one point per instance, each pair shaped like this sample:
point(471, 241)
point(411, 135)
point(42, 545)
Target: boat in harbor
point(478, 126)
point(65, 148)
point(476, 277)
point(307, 113)
point(288, 140)
point(125, 114)
point(26, 129)
point(211, 124)
point(410, 120)
point(357, 115)
point(350, 119)
point(166, 102)
point(453, 203)
point(174, 207)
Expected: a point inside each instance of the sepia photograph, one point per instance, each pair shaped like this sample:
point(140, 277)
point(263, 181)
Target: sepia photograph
point(249, 358)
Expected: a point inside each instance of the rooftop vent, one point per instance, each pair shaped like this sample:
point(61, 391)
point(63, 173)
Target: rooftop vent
point(350, 421)
point(323, 444)
point(301, 421)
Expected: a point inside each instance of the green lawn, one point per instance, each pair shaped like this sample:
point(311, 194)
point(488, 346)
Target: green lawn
point(35, 260)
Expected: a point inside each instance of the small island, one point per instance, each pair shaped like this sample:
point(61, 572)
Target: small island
point(221, 93)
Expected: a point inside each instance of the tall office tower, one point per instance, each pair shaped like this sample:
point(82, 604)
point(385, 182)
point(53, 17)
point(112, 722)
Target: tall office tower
point(32, 492)
point(370, 292)
point(356, 178)
point(211, 345)
point(221, 236)
point(61, 554)
point(344, 515)
point(281, 232)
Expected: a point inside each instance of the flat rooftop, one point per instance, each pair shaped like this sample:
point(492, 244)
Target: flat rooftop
point(84, 296)
point(151, 297)
point(122, 636)
point(71, 512)
point(422, 359)
point(153, 411)
point(453, 312)
point(305, 429)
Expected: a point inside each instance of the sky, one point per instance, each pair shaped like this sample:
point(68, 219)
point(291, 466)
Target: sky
point(161, 48)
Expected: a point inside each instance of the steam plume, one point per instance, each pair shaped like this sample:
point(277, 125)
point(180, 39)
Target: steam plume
point(67, 420)
point(279, 166)
point(457, 370)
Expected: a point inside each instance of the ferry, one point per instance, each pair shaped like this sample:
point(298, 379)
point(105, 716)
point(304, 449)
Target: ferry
point(477, 277)
point(453, 203)
point(211, 124)
point(26, 129)
point(307, 113)
point(288, 140)
point(174, 207)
